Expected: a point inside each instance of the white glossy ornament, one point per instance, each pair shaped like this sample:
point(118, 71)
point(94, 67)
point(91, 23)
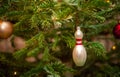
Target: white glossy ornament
point(79, 55)
point(79, 52)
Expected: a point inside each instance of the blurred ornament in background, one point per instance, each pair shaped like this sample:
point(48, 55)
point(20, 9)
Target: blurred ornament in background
point(31, 59)
point(11, 44)
point(6, 46)
point(6, 29)
point(105, 40)
point(19, 43)
point(116, 31)
point(40, 56)
point(79, 52)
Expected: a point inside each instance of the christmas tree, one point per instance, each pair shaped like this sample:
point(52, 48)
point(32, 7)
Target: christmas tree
point(42, 41)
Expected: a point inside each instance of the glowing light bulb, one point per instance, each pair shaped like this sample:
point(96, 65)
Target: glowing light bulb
point(108, 1)
point(114, 47)
point(15, 73)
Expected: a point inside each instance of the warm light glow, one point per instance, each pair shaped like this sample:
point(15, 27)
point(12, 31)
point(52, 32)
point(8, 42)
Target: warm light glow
point(4, 25)
point(108, 1)
point(15, 73)
point(114, 47)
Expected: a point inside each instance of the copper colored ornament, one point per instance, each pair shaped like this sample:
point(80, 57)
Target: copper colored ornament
point(0, 21)
point(6, 29)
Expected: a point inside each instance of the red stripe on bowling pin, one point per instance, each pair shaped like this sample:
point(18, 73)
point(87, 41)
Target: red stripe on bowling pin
point(78, 41)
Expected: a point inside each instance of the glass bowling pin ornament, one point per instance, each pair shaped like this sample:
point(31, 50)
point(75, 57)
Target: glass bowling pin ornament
point(79, 53)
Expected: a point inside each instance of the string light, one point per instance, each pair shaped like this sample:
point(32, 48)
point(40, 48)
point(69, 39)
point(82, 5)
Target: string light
point(108, 1)
point(114, 47)
point(15, 73)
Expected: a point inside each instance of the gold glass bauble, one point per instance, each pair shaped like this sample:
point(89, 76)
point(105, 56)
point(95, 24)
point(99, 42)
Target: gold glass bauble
point(6, 29)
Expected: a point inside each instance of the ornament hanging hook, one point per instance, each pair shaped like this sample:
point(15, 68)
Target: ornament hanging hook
point(77, 22)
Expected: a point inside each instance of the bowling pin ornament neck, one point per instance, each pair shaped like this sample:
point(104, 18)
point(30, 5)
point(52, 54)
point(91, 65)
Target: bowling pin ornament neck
point(78, 33)
point(78, 36)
